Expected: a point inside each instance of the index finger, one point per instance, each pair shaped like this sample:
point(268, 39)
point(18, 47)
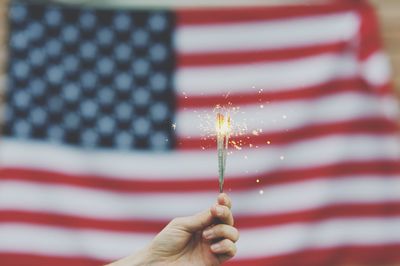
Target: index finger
point(223, 199)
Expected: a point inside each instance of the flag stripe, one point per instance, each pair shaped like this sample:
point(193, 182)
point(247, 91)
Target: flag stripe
point(273, 200)
point(246, 98)
point(19, 258)
point(229, 15)
point(366, 254)
point(261, 96)
point(237, 183)
point(242, 57)
point(269, 117)
point(384, 209)
point(271, 241)
point(373, 126)
point(284, 75)
point(287, 239)
point(196, 164)
point(386, 254)
point(261, 35)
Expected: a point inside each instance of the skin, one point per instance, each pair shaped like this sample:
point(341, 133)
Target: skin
point(205, 239)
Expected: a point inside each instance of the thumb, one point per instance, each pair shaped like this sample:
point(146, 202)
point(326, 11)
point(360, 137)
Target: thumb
point(193, 223)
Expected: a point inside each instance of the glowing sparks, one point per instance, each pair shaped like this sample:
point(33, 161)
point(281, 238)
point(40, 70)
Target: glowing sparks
point(261, 192)
point(258, 181)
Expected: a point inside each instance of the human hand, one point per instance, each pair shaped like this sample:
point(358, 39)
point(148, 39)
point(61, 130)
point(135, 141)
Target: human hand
point(207, 238)
point(204, 239)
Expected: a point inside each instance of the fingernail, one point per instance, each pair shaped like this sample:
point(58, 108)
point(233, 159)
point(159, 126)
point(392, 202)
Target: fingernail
point(219, 210)
point(215, 247)
point(208, 234)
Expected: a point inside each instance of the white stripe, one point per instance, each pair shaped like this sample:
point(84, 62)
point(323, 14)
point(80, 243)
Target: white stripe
point(291, 238)
point(282, 116)
point(305, 195)
point(286, 75)
point(262, 242)
point(48, 241)
point(197, 165)
point(376, 69)
point(284, 33)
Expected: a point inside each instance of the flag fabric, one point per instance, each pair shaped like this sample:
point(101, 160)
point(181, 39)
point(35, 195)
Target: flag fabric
point(101, 143)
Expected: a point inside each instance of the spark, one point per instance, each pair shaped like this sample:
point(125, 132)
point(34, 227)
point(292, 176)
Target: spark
point(261, 192)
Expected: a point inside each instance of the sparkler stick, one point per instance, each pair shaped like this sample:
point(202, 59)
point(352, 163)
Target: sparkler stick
point(223, 127)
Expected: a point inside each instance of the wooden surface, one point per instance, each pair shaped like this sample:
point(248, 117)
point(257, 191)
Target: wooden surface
point(389, 14)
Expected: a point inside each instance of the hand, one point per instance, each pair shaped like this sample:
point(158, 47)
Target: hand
point(190, 240)
point(204, 239)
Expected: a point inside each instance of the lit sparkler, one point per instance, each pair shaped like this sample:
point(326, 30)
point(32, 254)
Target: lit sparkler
point(223, 128)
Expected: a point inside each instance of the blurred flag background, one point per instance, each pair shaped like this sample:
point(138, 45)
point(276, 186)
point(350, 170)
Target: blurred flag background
point(101, 142)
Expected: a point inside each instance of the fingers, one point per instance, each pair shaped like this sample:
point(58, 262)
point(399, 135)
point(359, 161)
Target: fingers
point(202, 220)
point(224, 247)
point(223, 199)
point(223, 213)
point(221, 231)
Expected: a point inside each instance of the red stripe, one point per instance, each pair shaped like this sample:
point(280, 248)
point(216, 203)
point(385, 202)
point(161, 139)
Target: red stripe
point(372, 255)
point(245, 98)
point(369, 33)
point(348, 210)
point(21, 259)
point(387, 209)
point(372, 126)
point(76, 222)
point(223, 15)
point(239, 183)
point(245, 57)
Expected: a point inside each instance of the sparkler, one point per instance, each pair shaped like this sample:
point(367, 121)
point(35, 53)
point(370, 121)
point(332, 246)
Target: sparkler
point(223, 128)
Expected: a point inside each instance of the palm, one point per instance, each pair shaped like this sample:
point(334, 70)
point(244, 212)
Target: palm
point(186, 248)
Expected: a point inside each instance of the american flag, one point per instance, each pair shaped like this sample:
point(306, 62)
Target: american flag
point(92, 166)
